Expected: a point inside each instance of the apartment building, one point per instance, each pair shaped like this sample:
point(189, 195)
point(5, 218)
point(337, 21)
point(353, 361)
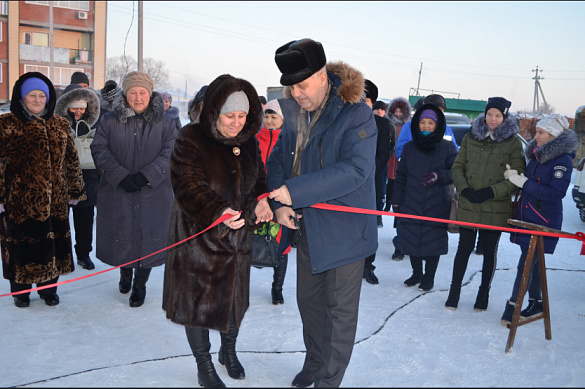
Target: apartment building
point(56, 38)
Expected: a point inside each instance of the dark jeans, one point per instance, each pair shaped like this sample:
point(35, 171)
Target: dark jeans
point(381, 178)
point(534, 291)
point(489, 240)
point(328, 303)
point(15, 287)
point(83, 224)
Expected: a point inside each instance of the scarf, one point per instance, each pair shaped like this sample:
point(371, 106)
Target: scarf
point(304, 129)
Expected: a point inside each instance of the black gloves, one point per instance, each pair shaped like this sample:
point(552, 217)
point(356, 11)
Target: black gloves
point(128, 184)
point(478, 196)
point(139, 179)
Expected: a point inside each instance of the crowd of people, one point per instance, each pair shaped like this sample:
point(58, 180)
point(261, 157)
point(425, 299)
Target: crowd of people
point(329, 140)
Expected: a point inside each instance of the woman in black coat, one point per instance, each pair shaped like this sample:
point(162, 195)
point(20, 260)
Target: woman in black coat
point(422, 188)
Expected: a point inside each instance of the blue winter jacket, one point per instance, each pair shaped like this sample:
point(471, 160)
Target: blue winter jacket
point(337, 167)
point(549, 172)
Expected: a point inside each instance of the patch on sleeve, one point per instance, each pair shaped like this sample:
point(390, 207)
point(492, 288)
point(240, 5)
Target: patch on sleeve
point(362, 134)
point(559, 171)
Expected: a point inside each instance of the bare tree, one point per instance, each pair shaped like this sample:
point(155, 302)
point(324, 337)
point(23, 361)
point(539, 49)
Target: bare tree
point(118, 67)
point(158, 71)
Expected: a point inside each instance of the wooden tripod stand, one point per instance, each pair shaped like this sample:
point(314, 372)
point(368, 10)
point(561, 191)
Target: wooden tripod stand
point(536, 242)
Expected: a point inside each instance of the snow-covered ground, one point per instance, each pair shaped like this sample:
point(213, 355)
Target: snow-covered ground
point(405, 338)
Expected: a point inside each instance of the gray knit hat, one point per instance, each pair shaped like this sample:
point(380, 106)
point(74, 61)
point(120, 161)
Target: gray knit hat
point(237, 101)
point(141, 79)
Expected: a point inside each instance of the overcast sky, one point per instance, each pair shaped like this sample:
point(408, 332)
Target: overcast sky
point(468, 50)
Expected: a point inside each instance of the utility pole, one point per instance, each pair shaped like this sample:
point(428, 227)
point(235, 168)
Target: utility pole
point(51, 48)
point(140, 48)
point(537, 88)
point(419, 74)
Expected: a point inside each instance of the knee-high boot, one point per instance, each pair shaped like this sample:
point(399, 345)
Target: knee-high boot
point(199, 341)
point(139, 286)
point(125, 280)
point(227, 352)
point(428, 279)
point(278, 280)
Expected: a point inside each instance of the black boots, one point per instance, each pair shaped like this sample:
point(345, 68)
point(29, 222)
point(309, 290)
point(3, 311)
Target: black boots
point(51, 298)
point(227, 352)
point(453, 298)
point(199, 341)
point(304, 379)
point(534, 308)
point(21, 300)
point(417, 272)
point(508, 314)
point(428, 279)
point(278, 280)
point(139, 287)
point(125, 279)
point(85, 263)
point(481, 302)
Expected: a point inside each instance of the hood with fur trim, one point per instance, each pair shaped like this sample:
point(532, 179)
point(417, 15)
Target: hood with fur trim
point(17, 105)
point(566, 143)
point(92, 112)
point(480, 129)
point(215, 97)
point(153, 114)
point(351, 89)
point(399, 102)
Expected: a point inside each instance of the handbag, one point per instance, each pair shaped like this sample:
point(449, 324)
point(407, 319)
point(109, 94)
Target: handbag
point(82, 145)
point(514, 204)
point(264, 248)
point(453, 228)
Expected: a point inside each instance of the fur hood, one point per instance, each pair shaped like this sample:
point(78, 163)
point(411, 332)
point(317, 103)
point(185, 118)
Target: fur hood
point(406, 109)
point(351, 82)
point(215, 97)
point(16, 105)
point(92, 112)
point(153, 114)
point(566, 143)
point(172, 112)
point(480, 129)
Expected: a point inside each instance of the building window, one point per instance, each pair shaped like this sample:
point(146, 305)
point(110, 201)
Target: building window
point(1, 35)
point(80, 5)
point(3, 7)
point(62, 76)
point(36, 39)
point(1, 72)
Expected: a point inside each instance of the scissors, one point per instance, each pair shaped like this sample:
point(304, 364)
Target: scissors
point(296, 220)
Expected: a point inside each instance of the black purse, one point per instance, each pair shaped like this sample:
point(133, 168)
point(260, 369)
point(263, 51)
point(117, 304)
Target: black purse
point(264, 250)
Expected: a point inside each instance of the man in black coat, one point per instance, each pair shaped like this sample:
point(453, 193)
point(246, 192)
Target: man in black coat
point(384, 149)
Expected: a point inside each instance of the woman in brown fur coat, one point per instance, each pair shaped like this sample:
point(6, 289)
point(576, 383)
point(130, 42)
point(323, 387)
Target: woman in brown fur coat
point(216, 168)
point(39, 176)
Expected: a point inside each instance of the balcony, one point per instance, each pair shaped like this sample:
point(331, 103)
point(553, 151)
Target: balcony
point(60, 55)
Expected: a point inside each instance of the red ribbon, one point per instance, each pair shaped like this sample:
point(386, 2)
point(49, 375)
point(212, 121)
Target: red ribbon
point(578, 236)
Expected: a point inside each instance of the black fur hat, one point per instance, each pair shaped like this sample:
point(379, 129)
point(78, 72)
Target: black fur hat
point(371, 91)
point(298, 60)
point(438, 100)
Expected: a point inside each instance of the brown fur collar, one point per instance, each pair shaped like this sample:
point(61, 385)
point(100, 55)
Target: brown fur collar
point(347, 81)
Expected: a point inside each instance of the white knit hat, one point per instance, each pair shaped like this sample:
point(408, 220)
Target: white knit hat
point(77, 104)
point(275, 106)
point(237, 101)
point(554, 124)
